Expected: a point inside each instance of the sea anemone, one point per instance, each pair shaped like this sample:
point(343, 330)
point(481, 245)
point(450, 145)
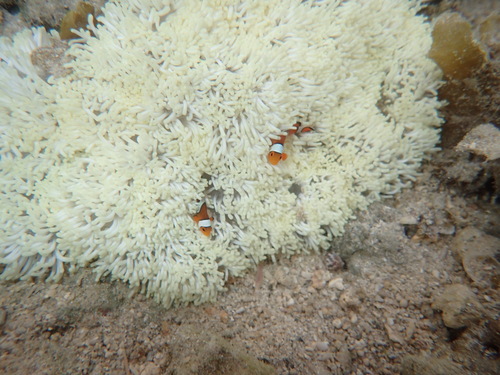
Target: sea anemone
point(169, 104)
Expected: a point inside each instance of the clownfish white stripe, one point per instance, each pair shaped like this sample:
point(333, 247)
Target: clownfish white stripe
point(277, 147)
point(205, 223)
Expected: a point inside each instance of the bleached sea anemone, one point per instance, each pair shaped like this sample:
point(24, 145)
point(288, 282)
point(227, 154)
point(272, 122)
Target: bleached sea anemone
point(170, 104)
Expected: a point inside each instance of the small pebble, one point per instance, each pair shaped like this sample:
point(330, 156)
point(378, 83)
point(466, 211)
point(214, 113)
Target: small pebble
point(224, 316)
point(361, 353)
point(354, 318)
point(317, 280)
point(337, 323)
point(349, 299)
point(306, 275)
point(337, 283)
point(324, 357)
point(408, 220)
point(334, 262)
point(51, 292)
point(322, 346)
point(410, 329)
point(403, 303)
point(68, 296)
point(344, 357)
point(151, 369)
point(3, 317)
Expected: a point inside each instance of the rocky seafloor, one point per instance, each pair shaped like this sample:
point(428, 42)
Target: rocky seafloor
point(418, 293)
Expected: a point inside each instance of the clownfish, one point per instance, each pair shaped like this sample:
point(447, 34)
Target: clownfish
point(305, 129)
point(297, 126)
point(276, 152)
point(277, 145)
point(204, 220)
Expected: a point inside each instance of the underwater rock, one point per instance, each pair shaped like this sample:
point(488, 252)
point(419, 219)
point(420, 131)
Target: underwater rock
point(459, 306)
point(481, 151)
point(421, 364)
point(483, 140)
point(479, 253)
point(489, 34)
point(334, 262)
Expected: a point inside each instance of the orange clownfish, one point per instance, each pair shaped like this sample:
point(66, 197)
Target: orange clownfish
point(204, 221)
point(276, 152)
point(305, 129)
point(277, 145)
